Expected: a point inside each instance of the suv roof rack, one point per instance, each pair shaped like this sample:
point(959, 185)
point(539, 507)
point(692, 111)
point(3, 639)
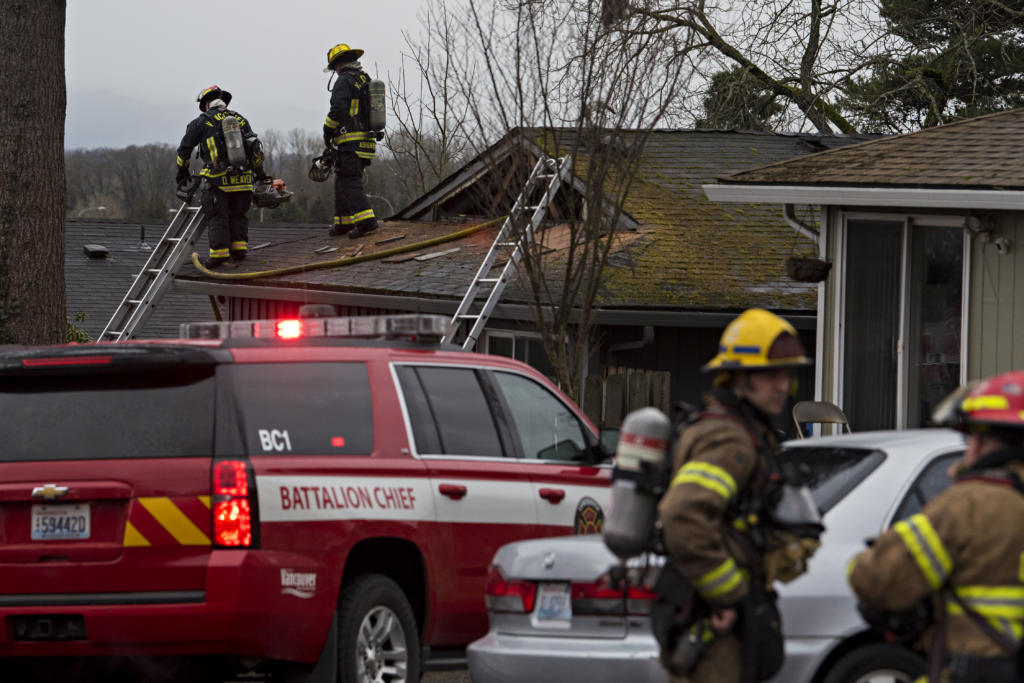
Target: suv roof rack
point(411, 327)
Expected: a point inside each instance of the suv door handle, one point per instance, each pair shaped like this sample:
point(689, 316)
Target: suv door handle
point(453, 491)
point(553, 496)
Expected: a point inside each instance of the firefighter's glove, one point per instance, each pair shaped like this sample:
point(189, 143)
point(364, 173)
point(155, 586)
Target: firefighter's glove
point(182, 175)
point(789, 560)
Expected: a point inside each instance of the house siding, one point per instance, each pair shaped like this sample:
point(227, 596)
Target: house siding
point(996, 313)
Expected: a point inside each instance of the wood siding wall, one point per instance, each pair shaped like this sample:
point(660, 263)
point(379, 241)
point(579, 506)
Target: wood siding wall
point(996, 322)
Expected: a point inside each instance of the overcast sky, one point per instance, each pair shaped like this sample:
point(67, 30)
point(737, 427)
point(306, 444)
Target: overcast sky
point(134, 67)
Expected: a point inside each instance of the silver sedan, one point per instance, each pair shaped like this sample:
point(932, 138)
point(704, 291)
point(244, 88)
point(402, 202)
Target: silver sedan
point(554, 615)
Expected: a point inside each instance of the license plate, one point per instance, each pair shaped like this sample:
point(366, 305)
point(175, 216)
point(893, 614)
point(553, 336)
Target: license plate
point(60, 522)
point(554, 602)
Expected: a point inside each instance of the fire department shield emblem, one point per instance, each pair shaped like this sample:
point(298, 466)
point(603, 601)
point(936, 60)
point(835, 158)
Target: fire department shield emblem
point(589, 517)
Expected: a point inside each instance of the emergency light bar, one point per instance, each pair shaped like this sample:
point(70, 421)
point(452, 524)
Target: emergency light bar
point(413, 326)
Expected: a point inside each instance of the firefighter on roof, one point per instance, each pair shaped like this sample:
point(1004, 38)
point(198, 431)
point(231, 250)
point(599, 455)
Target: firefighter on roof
point(348, 132)
point(725, 549)
point(960, 561)
point(232, 161)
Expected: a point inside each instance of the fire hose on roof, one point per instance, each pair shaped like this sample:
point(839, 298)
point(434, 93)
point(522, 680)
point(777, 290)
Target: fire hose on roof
point(346, 261)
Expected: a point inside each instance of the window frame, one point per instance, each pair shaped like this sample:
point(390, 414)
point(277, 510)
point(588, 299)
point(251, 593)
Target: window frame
point(913, 487)
point(589, 438)
point(838, 298)
point(504, 432)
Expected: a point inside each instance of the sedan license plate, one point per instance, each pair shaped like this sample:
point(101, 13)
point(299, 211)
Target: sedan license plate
point(554, 602)
point(60, 522)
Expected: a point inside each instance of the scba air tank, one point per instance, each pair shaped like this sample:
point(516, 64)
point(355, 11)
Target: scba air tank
point(377, 105)
point(637, 482)
point(232, 131)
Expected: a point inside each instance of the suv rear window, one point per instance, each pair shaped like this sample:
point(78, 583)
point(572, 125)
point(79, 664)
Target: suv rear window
point(303, 408)
point(830, 472)
point(151, 413)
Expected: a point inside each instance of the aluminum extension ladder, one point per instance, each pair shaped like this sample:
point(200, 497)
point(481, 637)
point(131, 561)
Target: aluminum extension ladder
point(152, 282)
point(555, 171)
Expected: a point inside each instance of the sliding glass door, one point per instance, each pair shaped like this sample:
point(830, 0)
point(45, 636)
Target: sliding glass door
point(903, 296)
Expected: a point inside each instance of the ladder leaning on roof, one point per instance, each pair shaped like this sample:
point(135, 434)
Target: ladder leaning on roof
point(157, 275)
point(555, 171)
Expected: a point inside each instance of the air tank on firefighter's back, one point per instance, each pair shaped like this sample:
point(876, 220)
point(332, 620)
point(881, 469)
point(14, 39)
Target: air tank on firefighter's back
point(637, 482)
point(233, 141)
point(378, 105)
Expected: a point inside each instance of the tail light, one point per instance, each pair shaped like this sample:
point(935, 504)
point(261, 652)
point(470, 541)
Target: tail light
point(602, 597)
point(233, 504)
point(508, 596)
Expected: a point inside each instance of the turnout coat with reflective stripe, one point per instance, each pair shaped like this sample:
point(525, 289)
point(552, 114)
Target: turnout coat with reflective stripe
point(714, 460)
point(345, 125)
point(971, 538)
point(204, 132)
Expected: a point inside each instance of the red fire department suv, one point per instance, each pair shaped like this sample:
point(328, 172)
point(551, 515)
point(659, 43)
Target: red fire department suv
point(299, 492)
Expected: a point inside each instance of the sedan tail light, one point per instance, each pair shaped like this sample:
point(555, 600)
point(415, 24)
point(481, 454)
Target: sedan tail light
point(604, 597)
point(502, 595)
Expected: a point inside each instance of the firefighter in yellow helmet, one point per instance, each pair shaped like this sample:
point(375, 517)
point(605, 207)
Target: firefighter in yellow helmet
point(726, 547)
point(952, 576)
point(347, 134)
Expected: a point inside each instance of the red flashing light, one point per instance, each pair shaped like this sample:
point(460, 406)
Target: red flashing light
point(508, 596)
point(289, 329)
point(230, 478)
point(79, 360)
point(232, 523)
point(338, 441)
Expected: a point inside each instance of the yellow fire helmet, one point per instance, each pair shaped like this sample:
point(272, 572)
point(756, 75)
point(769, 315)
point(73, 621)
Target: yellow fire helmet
point(341, 51)
point(756, 340)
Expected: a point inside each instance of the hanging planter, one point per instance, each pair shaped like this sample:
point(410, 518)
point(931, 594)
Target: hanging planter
point(807, 268)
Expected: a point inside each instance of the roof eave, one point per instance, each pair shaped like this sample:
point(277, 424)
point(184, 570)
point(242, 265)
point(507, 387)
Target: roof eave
point(838, 195)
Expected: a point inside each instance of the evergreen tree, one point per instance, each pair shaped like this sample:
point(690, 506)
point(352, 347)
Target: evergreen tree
point(962, 58)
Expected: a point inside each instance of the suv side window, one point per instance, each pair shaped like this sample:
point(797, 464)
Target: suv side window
point(931, 482)
point(301, 408)
point(547, 429)
point(449, 412)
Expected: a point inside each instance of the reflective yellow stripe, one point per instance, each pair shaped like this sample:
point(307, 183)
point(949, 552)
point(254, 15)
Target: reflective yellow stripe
point(219, 253)
point(239, 246)
point(331, 123)
point(211, 145)
point(207, 173)
point(924, 546)
point(707, 475)
point(720, 580)
point(174, 520)
point(205, 500)
point(363, 215)
point(991, 402)
point(182, 162)
point(132, 537)
point(353, 108)
point(353, 137)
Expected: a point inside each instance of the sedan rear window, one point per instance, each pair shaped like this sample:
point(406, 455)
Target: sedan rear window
point(830, 472)
point(144, 414)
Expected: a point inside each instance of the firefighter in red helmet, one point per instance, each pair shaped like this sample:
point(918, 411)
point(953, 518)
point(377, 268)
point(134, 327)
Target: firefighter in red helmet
point(959, 563)
point(232, 161)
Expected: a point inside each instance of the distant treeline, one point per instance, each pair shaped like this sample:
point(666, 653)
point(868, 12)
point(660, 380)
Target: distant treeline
point(137, 182)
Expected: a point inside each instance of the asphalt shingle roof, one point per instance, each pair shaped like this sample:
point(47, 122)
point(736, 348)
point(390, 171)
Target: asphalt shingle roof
point(978, 153)
point(689, 253)
point(95, 287)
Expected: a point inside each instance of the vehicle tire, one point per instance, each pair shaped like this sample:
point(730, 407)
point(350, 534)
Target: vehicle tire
point(877, 663)
point(378, 641)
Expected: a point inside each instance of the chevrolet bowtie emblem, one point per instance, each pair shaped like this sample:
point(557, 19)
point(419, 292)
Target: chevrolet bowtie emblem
point(49, 492)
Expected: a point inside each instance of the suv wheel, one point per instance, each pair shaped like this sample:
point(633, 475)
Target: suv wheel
point(878, 663)
point(377, 637)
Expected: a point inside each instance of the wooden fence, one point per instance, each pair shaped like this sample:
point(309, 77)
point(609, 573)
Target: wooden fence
point(610, 396)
